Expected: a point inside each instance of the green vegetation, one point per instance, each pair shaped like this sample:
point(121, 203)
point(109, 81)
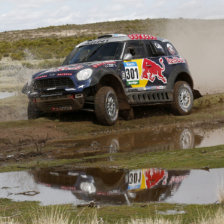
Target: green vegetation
point(42, 48)
point(30, 212)
point(210, 157)
point(201, 158)
point(58, 41)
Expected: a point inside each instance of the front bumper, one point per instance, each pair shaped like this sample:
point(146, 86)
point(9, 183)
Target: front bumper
point(64, 103)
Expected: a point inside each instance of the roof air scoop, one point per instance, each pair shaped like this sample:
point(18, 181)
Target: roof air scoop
point(111, 35)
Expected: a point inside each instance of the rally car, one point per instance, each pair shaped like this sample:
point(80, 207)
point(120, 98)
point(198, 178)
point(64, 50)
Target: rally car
point(111, 75)
point(106, 186)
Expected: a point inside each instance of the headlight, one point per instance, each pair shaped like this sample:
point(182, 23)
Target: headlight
point(88, 187)
point(84, 74)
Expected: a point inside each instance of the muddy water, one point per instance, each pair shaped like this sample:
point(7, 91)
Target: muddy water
point(144, 141)
point(4, 95)
point(108, 186)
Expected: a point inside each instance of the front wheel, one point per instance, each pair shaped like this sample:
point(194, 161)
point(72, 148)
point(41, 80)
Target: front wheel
point(183, 98)
point(106, 106)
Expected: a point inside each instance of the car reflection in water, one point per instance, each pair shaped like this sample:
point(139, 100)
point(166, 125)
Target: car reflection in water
point(139, 142)
point(106, 186)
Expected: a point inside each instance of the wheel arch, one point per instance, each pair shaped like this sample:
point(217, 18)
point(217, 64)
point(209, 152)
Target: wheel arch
point(184, 76)
point(114, 82)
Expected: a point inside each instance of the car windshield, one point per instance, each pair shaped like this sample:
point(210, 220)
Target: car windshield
point(95, 52)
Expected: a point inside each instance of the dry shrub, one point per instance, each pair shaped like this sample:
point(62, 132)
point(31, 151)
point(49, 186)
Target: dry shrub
point(7, 221)
point(217, 219)
point(54, 216)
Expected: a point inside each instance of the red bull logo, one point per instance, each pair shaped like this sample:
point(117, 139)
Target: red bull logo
point(154, 176)
point(151, 70)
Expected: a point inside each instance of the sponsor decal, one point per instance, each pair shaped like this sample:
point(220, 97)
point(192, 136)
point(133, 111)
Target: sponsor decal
point(106, 64)
point(64, 74)
point(177, 179)
point(152, 70)
point(77, 67)
point(123, 75)
point(98, 41)
point(57, 109)
point(141, 37)
point(153, 177)
point(146, 178)
point(52, 74)
point(42, 76)
point(60, 69)
point(68, 188)
point(146, 88)
point(154, 87)
point(175, 60)
point(132, 73)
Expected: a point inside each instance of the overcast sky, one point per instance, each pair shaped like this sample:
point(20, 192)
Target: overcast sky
point(28, 14)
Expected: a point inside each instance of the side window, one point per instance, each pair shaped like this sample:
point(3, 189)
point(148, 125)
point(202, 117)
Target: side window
point(149, 48)
point(136, 49)
point(157, 48)
point(171, 49)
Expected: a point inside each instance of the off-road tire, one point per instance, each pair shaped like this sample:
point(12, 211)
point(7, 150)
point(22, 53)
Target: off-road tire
point(106, 106)
point(32, 111)
point(182, 98)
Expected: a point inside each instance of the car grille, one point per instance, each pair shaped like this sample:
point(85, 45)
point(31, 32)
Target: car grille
point(52, 83)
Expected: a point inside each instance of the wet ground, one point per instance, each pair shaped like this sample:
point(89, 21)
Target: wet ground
point(134, 142)
point(50, 140)
point(143, 141)
point(114, 187)
point(60, 185)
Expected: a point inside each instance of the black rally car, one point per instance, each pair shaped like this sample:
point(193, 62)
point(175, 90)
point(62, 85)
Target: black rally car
point(113, 74)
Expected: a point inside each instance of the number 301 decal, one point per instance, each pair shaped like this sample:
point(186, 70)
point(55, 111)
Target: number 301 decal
point(132, 73)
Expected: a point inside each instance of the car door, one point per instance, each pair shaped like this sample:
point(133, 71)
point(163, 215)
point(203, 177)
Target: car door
point(134, 54)
point(146, 69)
point(155, 68)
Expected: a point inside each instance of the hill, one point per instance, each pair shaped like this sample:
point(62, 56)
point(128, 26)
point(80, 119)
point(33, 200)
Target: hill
point(58, 41)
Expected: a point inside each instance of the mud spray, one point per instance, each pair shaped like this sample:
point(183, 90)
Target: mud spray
point(201, 43)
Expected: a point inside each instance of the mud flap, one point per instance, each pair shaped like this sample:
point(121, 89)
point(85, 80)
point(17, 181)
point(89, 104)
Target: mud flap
point(196, 94)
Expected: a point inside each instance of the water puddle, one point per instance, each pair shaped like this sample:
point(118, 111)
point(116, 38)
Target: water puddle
point(4, 95)
point(114, 187)
point(144, 141)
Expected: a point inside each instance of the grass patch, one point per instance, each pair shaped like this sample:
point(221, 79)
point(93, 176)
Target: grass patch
point(211, 157)
point(32, 213)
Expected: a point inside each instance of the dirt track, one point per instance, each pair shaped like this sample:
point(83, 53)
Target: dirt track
point(24, 140)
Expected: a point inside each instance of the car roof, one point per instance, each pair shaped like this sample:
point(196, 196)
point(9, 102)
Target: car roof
point(121, 37)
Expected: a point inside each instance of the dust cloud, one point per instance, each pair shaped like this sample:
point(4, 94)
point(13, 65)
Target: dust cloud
point(201, 43)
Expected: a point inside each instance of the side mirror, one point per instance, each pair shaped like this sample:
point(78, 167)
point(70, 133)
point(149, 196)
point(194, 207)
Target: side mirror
point(127, 57)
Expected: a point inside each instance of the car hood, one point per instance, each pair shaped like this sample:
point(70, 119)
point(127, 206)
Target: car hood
point(68, 70)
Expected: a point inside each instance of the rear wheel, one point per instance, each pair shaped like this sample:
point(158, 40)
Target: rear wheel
point(106, 106)
point(32, 111)
point(183, 98)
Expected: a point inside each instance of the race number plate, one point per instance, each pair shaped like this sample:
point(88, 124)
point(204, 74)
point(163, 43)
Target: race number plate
point(132, 73)
point(134, 179)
